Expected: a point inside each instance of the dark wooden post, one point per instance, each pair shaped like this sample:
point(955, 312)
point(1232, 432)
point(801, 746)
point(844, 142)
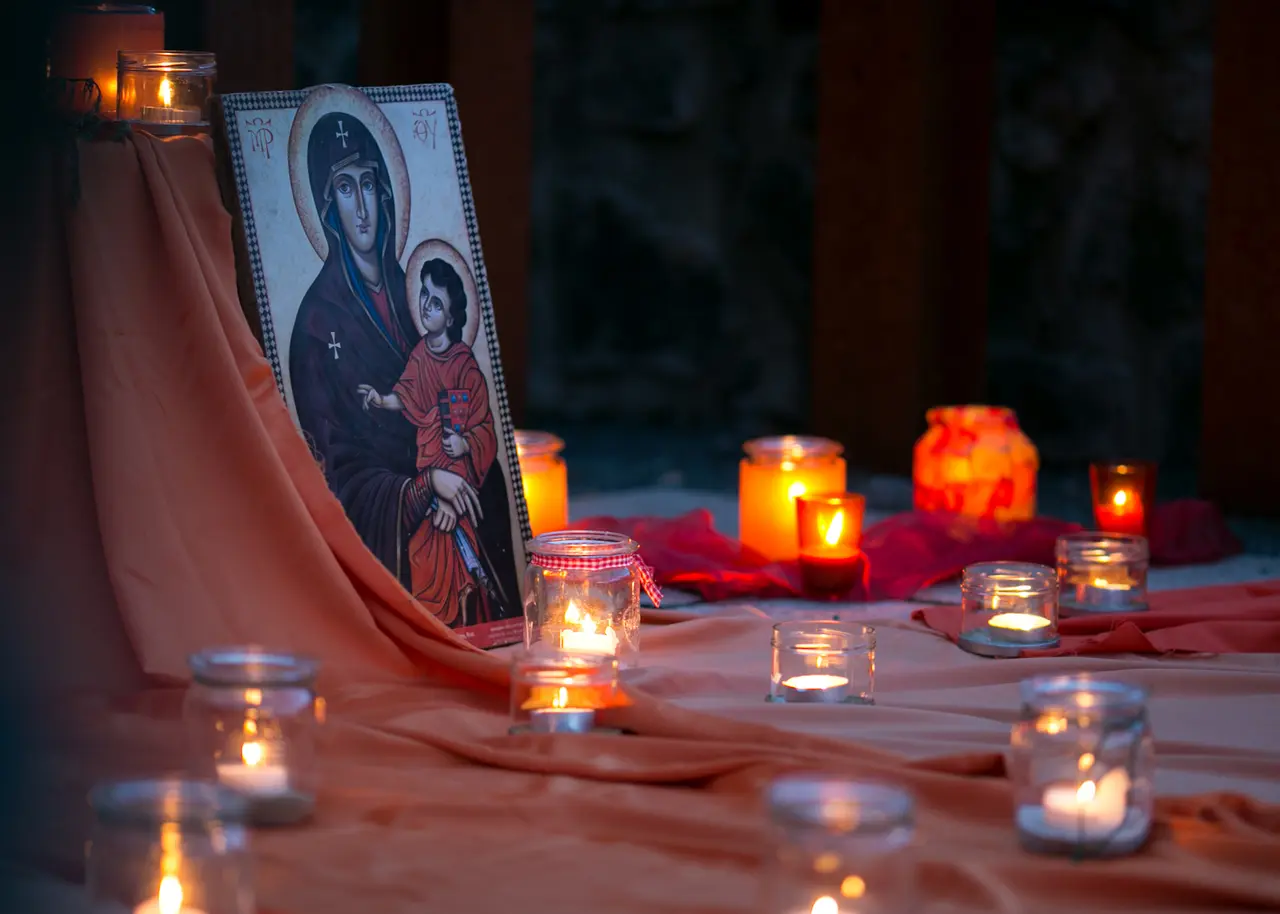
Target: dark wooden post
point(254, 43)
point(484, 49)
point(1240, 435)
point(905, 97)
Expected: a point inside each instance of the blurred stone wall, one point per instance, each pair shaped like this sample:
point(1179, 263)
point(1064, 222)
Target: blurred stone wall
point(672, 202)
point(1099, 178)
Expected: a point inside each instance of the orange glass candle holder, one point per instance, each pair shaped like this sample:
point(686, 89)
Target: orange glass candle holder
point(975, 460)
point(774, 472)
point(1124, 495)
point(829, 528)
point(546, 480)
point(87, 38)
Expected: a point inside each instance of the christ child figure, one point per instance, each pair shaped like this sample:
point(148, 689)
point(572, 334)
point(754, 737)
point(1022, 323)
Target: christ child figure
point(443, 394)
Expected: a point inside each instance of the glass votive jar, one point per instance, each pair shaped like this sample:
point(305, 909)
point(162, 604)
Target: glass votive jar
point(823, 662)
point(252, 718)
point(1102, 572)
point(1008, 607)
point(1124, 495)
point(770, 477)
point(838, 846)
point(582, 593)
point(166, 88)
point(829, 528)
point(168, 847)
point(559, 692)
point(1082, 762)
point(546, 480)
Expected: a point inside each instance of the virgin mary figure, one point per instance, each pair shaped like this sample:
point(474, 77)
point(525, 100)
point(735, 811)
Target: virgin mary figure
point(353, 326)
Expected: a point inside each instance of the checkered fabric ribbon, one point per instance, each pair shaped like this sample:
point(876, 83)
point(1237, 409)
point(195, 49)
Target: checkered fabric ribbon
point(600, 563)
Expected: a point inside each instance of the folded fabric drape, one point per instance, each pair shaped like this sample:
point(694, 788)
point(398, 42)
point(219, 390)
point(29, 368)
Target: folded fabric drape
point(207, 522)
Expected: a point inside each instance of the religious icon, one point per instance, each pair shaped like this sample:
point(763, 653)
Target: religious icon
point(390, 366)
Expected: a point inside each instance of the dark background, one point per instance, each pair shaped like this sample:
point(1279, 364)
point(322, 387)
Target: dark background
point(672, 214)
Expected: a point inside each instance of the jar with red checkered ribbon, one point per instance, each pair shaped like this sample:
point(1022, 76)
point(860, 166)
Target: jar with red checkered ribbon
point(582, 593)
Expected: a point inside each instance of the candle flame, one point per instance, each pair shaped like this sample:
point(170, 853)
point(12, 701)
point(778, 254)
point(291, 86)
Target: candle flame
point(853, 887)
point(795, 490)
point(834, 529)
point(1086, 792)
point(1120, 498)
point(166, 92)
point(251, 752)
point(583, 621)
point(170, 899)
point(825, 905)
point(562, 698)
point(1086, 761)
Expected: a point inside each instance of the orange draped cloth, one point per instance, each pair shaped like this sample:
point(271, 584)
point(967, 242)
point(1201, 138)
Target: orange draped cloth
point(168, 503)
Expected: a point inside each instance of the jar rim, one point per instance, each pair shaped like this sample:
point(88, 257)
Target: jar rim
point(785, 632)
point(793, 448)
point(1084, 693)
point(198, 63)
point(839, 804)
point(1103, 548)
point(238, 667)
point(1124, 467)
point(530, 443)
point(163, 801)
point(1008, 577)
point(583, 544)
point(964, 413)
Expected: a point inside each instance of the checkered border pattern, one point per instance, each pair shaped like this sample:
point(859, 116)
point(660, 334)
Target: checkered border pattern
point(235, 104)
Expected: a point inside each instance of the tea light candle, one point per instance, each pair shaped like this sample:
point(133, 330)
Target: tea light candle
point(1091, 810)
point(1102, 572)
point(546, 480)
point(1021, 628)
point(775, 472)
point(167, 901)
point(819, 688)
point(1123, 495)
point(256, 776)
point(561, 717)
point(585, 634)
point(829, 528)
point(560, 692)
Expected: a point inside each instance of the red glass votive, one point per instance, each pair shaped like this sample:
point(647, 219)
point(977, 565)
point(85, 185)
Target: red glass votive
point(829, 528)
point(1124, 495)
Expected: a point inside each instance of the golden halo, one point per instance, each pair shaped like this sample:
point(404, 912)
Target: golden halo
point(321, 101)
point(430, 250)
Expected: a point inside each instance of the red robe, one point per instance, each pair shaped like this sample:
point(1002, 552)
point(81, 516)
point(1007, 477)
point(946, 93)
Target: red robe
point(440, 579)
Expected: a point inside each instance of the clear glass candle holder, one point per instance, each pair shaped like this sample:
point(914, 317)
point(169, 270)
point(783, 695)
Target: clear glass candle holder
point(1082, 762)
point(838, 846)
point(252, 718)
point(774, 472)
point(546, 480)
point(582, 594)
point(1102, 572)
point(166, 88)
point(1008, 607)
point(559, 692)
point(168, 846)
point(823, 663)
point(1124, 495)
point(829, 529)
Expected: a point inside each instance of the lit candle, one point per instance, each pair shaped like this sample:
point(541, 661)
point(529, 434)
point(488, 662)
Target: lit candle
point(1092, 809)
point(255, 776)
point(816, 688)
point(774, 474)
point(167, 901)
point(560, 717)
point(829, 530)
point(1121, 512)
point(546, 480)
point(167, 112)
point(585, 635)
point(1018, 628)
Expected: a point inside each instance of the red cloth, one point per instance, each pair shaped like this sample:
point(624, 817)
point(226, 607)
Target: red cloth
point(906, 552)
point(1229, 619)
